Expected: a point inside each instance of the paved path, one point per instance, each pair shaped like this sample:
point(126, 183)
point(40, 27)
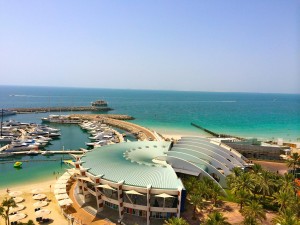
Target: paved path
point(83, 216)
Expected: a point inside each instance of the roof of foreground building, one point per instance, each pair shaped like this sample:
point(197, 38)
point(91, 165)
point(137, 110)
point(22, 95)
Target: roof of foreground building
point(134, 163)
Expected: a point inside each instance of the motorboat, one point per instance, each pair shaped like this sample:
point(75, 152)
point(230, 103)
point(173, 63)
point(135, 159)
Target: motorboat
point(6, 154)
point(19, 146)
point(33, 152)
point(92, 144)
point(47, 153)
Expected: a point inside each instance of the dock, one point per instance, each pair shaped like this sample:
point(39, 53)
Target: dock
point(60, 109)
point(214, 134)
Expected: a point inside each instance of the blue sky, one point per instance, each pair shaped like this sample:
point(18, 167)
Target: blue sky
point(231, 46)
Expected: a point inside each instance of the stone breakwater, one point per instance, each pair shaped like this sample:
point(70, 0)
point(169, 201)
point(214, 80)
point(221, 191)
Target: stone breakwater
point(140, 132)
point(59, 109)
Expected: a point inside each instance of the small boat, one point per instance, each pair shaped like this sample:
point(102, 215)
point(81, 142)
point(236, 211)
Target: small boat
point(47, 153)
point(6, 154)
point(18, 164)
point(32, 152)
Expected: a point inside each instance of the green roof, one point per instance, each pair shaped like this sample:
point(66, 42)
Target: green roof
point(133, 163)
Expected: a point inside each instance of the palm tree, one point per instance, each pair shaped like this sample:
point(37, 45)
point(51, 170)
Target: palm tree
point(287, 181)
point(197, 201)
point(2, 212)
point(214, 192)
point(216, 218)
point(6, 205)
point(294, 161)
point(242, 197)
point(190, 183)
point(287, 217)
point(265, 183)
point(257, 169)
point(253, 212)
point(244, 182)
point(283, 198)
point(175, 221)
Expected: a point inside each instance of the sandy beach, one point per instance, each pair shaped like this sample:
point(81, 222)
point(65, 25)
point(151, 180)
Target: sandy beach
point(55, 215)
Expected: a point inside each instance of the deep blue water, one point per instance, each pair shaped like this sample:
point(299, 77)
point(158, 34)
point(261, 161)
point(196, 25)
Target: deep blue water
point(244, 114)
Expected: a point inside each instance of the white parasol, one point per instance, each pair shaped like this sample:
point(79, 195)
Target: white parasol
point(16, 217)
point(42, 212)
point(15, 193)
point(39, 196)
point(106, 186)
point(133, 192)
point(16, 209)
point(18, 199)
point(164, 196)
point(40, 204)
point(37, 190)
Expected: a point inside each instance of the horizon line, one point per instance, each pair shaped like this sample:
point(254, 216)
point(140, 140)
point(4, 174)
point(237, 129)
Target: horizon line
point(137, 89)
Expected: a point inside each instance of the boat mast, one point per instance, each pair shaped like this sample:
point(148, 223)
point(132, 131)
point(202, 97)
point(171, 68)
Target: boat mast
point(1, 121)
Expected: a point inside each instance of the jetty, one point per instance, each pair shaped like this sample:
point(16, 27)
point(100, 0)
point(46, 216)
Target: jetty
point(214, 134)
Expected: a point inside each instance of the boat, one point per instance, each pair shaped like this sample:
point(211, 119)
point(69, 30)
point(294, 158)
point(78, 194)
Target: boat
point(62, 119)
point(19, 146)
point(99, 103)
point(93, 144)
point(5, 112)
point(18, 164)
point(47, 153)
point(32, 152)
point(6, 154)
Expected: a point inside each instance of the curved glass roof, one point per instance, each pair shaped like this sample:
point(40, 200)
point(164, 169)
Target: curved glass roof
point(134, 163)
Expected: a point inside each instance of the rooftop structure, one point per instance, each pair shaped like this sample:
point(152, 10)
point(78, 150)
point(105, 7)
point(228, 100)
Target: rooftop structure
point(139, 178)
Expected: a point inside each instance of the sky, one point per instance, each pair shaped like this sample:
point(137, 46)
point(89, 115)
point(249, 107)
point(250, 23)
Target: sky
point(201, 45)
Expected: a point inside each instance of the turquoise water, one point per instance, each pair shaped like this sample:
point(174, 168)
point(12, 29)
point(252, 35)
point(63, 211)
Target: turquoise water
point(264, 116)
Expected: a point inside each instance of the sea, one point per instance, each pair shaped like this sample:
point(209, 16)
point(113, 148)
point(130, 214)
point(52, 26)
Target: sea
point(249, 115)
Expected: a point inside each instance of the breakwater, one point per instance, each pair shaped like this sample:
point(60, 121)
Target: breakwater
point(214, 134)
point(59, 109)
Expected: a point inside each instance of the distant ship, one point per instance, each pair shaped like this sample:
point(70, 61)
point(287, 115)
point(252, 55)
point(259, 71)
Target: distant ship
point(99, 103)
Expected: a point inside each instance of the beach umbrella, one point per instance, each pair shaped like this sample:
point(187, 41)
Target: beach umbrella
point(37, 190)
point(39, 196)
point(16, 209)
point(42, 212)
point(40, 204)
point(106, 186)
point(17, 217)
point(15, 193)
point(65, 202)
point(18, 199)
point(60, 191)
point(61, 196)
point(164, 196)
point(133, 192)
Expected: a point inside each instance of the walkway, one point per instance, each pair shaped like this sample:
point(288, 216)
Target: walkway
point(81, 215)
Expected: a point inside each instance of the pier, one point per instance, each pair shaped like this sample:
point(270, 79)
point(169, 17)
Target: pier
point(214, 134)
point(60, 109)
